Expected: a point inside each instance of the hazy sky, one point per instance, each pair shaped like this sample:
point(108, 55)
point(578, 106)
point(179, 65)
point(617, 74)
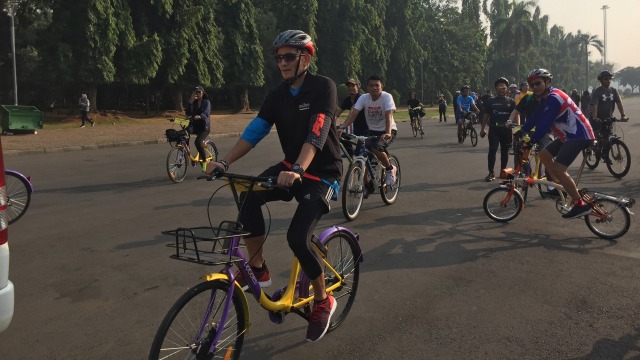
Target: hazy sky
point(623, 42)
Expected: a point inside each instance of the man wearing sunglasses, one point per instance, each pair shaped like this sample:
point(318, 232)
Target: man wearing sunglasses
point(558, 114)
point(604, 99)
point(301, 108)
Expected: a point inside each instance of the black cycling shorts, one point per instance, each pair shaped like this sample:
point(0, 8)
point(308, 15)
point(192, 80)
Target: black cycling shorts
point(565, 152)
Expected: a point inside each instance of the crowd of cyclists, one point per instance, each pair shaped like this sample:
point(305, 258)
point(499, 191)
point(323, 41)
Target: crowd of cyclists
point(304, 111)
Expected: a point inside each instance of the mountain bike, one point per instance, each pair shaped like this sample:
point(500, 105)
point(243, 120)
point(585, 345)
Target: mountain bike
point(364, 175)
point(212, 318)
point(180, 153)
point(19, 189)
point(610, 217)
point(468, 129)
point(610, 149)
point(416, 121)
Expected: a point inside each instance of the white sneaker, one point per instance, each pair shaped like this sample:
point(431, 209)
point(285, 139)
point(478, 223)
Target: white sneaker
point(390, 176)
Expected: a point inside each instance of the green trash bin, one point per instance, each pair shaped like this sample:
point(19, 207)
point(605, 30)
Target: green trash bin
point(20, 119)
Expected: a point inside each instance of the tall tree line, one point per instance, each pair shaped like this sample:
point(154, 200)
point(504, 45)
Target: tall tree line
point(148, 53)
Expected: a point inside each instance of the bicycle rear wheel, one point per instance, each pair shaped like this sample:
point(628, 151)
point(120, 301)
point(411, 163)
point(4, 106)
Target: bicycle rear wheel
point(612, 223)
point(389, 193)
point(619, 156)
point(474, 136)
point(18, 196)
point(212, 151)
point(592, 158)
point(176, 164)
point(502, 204)
point(192, 323)
point(353, 192)
point(344, 258)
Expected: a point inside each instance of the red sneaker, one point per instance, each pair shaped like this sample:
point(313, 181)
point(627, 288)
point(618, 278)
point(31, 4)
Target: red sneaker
point(320, 317)
point(262, 275)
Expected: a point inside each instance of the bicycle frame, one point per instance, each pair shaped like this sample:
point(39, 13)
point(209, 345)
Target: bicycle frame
point(363, 156)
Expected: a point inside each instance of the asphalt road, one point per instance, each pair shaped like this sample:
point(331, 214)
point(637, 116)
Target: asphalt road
point(440, 280)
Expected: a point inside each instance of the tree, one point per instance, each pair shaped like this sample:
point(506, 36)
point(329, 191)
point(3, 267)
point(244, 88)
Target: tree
point(241, 50)
point(516, 33)
point(629, 76)
point(583, 42)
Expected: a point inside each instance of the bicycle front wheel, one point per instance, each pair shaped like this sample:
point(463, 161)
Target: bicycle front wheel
point(619, 161)
point(18, 196)
point(389, 193)
point(176, 164)
point(502, 204)
point(344, 258)
point(212, 151)
point(592, 158)
point(420, 128)
point(191, 325)
point(414, 127)
point(473, 134)
point(609, 220)
point(353, 192)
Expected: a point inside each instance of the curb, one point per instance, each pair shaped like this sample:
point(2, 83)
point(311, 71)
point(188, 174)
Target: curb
point(53, 150)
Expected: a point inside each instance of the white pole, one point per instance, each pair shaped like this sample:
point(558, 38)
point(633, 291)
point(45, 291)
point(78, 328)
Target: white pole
point(604, 10)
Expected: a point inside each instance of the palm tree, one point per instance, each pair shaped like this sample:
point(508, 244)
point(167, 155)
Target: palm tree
point(583, 41)
point(516, 33)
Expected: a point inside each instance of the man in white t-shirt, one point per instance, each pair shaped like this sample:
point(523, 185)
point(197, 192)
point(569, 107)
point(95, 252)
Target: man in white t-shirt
point(378, 106)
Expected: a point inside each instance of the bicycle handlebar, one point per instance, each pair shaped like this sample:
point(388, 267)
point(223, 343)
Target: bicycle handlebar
point(355, 138)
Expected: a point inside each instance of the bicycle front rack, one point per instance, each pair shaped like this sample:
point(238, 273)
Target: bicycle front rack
point(207, 245)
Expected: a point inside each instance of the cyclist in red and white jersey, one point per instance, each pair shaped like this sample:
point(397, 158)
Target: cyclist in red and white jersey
point(558, 114)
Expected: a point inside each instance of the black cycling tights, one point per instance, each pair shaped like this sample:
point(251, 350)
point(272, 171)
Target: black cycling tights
point(202, 136)
point(300, 230)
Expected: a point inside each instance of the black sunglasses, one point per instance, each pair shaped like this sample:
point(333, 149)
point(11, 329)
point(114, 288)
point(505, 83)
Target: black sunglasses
point(286, 57)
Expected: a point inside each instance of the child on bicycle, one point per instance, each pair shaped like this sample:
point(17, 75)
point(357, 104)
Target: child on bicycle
point(464, 104)
point(415, 107)
point(311, 163)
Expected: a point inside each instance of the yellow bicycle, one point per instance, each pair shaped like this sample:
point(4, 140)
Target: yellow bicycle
point(212, 318)
point(180, 153)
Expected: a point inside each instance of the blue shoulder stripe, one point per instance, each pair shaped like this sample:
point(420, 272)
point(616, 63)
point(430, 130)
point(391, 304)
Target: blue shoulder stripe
point(257, 129)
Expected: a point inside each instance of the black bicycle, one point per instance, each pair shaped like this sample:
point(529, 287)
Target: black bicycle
point(469, 130)
point(609, 148)
point(416, 122)
point(364, 175)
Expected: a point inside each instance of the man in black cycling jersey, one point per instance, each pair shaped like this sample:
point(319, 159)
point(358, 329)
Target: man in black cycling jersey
point(302, 109)
point(496, 113)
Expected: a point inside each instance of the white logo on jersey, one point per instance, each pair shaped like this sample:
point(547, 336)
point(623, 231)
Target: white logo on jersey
point(304, 106)
point(609, 97)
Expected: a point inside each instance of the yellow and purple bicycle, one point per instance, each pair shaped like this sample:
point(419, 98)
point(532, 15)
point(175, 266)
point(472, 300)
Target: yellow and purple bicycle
point(211, 319)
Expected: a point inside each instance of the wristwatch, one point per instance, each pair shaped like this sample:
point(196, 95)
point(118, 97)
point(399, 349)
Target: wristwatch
point(297, 169)
point(341, 126)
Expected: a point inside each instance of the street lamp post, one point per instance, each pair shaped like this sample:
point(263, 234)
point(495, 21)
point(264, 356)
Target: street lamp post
point(604, 10)
point(488, 79)
point(11, 7)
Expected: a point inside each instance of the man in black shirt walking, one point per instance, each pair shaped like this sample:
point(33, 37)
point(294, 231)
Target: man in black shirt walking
point(496, 113)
